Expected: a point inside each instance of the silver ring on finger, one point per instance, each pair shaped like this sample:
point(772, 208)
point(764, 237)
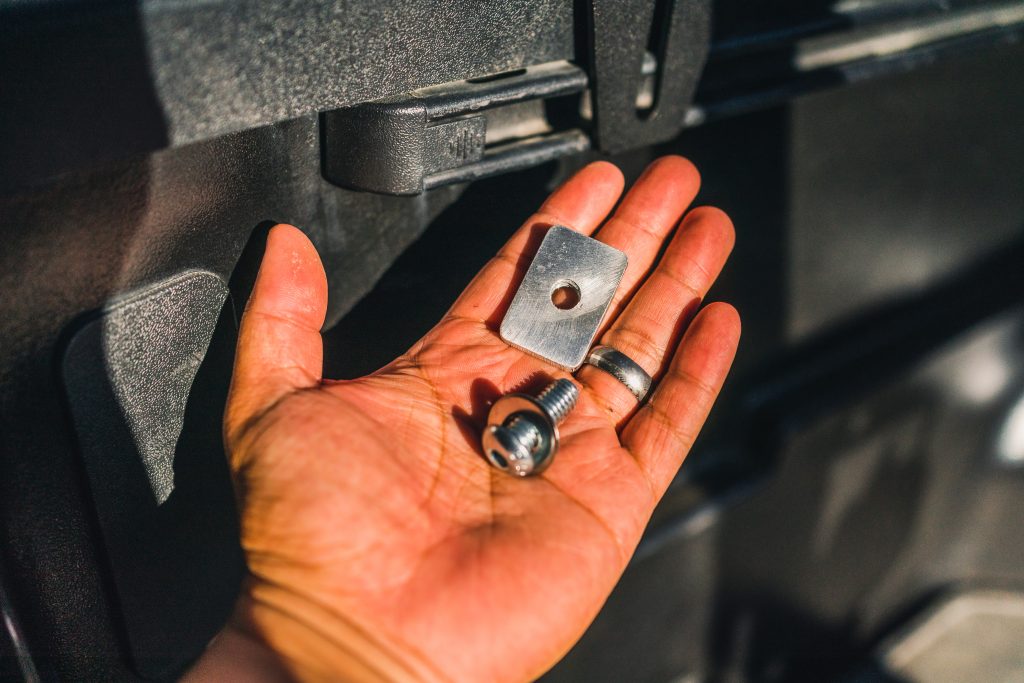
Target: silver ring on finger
point(621, 367)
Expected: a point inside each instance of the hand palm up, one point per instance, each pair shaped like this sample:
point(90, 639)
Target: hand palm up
point(369, 515)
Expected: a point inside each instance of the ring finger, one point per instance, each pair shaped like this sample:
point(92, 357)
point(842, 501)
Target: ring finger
point(654, 319)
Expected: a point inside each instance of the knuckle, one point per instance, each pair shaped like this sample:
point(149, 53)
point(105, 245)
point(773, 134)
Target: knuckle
point(638, 344)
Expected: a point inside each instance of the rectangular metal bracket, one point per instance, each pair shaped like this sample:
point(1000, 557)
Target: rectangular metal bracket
point(562, 333)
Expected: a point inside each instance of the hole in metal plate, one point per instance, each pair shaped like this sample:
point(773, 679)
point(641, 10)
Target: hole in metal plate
point(566, 295)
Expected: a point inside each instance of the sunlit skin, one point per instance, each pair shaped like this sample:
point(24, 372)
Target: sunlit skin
point(380, 543)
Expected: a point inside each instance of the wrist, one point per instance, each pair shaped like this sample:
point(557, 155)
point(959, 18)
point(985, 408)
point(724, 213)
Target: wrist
point(276, 635)
point(234, 654)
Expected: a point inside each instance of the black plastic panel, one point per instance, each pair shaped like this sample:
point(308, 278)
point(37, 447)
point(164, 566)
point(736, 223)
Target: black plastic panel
point(842, 202)
point(144, 387)
point(620, 32)
point(99, 80)
point(94, 237)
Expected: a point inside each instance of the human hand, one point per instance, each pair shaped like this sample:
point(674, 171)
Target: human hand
point(380, 543)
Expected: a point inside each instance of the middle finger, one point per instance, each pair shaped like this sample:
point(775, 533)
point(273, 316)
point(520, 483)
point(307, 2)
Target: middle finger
point(646, 216)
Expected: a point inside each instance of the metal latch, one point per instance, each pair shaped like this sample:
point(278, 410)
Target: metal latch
point(452, 133)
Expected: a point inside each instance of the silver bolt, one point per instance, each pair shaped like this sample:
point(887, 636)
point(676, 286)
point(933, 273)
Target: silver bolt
point(521, 437)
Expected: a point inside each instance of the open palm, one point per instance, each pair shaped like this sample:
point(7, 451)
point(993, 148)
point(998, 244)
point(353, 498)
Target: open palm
point(380, 543)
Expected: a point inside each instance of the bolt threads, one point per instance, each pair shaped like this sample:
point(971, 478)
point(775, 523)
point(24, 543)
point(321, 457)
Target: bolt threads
point(558, 398)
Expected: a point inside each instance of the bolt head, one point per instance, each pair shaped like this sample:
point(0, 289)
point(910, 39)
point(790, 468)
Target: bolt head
point(506, 451)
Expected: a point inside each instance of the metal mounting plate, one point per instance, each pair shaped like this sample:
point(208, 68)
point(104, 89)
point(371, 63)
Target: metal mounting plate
point(536, 325)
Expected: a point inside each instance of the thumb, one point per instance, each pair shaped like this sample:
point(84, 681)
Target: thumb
point(279, 345)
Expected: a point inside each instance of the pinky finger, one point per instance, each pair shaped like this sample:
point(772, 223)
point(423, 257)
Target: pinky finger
point(662, 431)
